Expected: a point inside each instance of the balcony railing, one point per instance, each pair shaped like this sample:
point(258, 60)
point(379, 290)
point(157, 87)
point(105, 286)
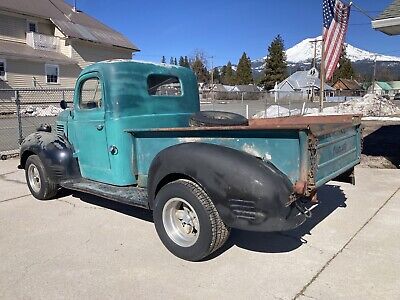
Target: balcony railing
point(43, 42)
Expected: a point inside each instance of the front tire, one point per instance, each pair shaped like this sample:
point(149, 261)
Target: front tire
point(38, 180)
point(187, 221)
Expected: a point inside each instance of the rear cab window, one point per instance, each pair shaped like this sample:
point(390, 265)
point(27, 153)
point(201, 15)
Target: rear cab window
point(164, 85)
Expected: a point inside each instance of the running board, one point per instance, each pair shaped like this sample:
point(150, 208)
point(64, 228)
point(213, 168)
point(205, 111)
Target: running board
point(125, 194)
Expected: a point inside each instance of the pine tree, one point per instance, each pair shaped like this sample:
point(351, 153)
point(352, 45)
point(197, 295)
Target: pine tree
point(244, 74)
point(216, 75)
point(175, 62)
point(163, 60)
point(223, 74)
point(186, 62)
point(275, 64)
point(171, 61)
point(181, 61)
point(345, 69)
point(229, 76)
point(200, 70)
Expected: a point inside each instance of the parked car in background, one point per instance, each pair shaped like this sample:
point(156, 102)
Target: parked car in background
point(396, 97)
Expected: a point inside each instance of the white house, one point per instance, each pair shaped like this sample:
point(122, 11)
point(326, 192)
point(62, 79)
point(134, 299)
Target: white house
point(303, 83)
point(45, 44)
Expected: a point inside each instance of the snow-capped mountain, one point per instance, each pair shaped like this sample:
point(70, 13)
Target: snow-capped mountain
point(304, 51)
point(300, 57)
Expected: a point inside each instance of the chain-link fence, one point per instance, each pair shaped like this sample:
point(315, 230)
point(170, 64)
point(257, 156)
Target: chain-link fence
point(23, 110)
point(267, 106)
point(263, 104)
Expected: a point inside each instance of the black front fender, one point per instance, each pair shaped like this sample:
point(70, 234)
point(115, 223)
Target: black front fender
point(248, 193)
point(55, 152)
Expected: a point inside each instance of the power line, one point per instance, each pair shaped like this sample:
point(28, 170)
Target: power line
point(367, 11)
point(361, 10)
point(359, 24)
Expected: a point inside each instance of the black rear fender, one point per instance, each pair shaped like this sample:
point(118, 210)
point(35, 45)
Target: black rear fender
point(245, 190)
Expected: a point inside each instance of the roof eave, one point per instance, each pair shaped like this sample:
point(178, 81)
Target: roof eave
point(104, 44)
point(133, 48)
point(38, 59)
point(19, 12)
point(390, 26)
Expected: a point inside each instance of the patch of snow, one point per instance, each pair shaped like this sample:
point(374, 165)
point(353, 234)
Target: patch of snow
point(49, 111)
point(384, 119)
point(369, 106)
point(110, 61)
point(275, 111)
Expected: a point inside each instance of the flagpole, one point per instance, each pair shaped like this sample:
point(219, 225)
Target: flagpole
point(322, 89)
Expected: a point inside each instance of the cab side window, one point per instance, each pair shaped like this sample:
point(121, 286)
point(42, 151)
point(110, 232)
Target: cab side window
point(91, 94)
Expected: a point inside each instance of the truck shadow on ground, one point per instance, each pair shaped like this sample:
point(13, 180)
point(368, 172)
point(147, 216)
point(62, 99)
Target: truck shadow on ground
point(331, 197)
point(136, 212)
point(384, 142)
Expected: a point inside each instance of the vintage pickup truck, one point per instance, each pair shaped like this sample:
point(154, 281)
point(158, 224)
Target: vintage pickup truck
point(136, 135)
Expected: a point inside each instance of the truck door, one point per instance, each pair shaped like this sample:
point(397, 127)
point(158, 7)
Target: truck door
point(90, 128)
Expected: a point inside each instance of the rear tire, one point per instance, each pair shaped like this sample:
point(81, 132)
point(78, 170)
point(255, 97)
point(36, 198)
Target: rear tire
point(38, 180)
point(187, 221)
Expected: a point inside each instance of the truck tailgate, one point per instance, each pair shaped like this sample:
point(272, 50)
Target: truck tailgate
point(336, 150)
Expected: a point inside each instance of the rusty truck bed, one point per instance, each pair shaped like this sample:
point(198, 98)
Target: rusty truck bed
point(318, 125)
point(309, 150)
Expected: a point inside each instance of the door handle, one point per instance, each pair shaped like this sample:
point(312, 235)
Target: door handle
point(100, 127)
point(113, 150)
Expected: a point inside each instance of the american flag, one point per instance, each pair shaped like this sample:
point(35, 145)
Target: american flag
point(336, 21)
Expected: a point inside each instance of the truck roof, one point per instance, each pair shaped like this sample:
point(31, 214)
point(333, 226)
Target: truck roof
point(128, 87)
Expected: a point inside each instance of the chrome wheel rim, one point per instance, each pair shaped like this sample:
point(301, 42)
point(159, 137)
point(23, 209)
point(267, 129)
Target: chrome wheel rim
point(181, 222)
point(34, 178)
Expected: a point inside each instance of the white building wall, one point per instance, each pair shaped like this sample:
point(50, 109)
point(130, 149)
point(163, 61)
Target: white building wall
point(12, 28)
point(86, 53)
point(65, 47)
point(28, 74)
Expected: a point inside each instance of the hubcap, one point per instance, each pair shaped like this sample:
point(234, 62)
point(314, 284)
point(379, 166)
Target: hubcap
point(181, 222)
point(34, 178)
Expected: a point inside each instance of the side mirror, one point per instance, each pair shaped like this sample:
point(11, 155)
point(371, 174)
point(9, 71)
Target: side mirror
point(63, 104)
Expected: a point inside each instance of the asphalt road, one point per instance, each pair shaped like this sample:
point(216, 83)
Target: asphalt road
point(85, 247)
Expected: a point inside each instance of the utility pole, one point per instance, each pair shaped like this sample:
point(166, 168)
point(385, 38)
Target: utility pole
point(315, 42)
point(315, 52)
point(322, 73)
point(322, 88)
point(212, 77)
point(374, 78)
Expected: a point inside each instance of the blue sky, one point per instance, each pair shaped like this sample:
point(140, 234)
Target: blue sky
point(224, 29)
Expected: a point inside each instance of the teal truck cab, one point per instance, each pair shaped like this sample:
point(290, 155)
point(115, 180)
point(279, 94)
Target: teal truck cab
point(136, 135)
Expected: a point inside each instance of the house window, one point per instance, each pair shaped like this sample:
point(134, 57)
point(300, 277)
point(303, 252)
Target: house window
point(31, 26)
point(91, 94)
point(52, 74)
point(2, 69)
point(164, 85)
